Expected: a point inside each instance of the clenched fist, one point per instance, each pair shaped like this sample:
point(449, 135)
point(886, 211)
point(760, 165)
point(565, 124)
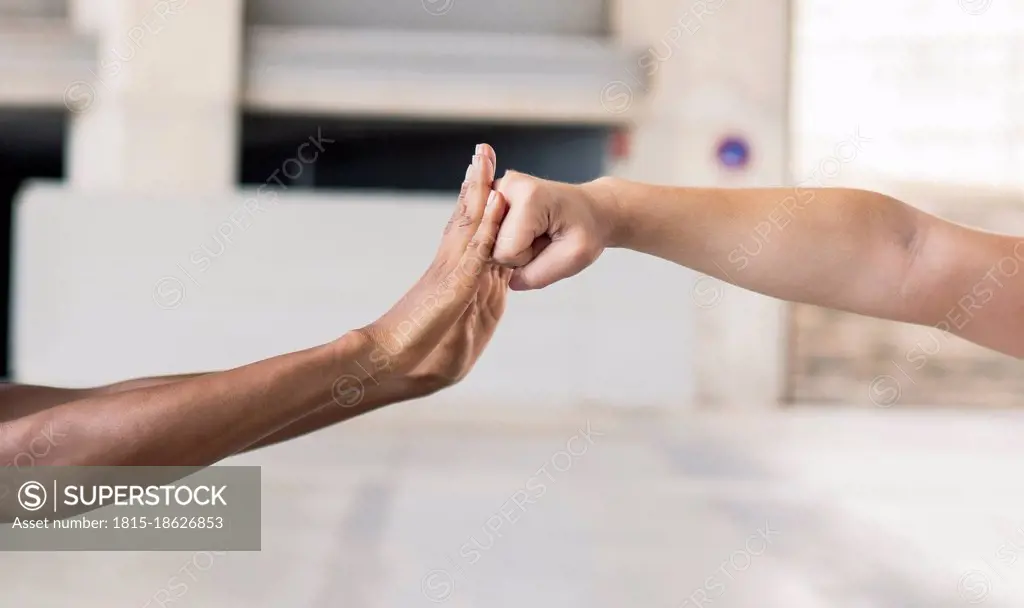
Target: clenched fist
point(553, 230)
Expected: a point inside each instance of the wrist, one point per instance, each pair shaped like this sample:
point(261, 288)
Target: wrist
point(604, 195)
point(384, 380)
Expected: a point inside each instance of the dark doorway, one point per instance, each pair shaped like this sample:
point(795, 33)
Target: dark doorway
point(31, 146)
point(411, 156)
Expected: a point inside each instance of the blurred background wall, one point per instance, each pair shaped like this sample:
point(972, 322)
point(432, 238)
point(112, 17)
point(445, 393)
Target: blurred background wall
point(160, 123)
point(195, 184)
point(936, 91)
point(162, 119)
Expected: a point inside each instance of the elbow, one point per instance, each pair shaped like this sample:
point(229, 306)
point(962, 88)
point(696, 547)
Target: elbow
point(918, 280)
point(962, 282)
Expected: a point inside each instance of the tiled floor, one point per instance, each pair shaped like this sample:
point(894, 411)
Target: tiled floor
point(800, 509)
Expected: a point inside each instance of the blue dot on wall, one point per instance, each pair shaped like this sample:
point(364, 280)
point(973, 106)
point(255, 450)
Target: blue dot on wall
point(734, 153)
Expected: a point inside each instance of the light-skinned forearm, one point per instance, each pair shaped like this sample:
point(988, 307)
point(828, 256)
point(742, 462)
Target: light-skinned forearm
point(846, 249)
point(839, 248)
point(205, 418)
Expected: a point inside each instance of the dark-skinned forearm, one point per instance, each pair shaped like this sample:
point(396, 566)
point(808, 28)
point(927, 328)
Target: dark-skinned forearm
point(20, 400)
point(201, 420)
point(391, 390)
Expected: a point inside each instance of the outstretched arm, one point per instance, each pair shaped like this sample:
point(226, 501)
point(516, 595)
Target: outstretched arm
point(18, 400)
point(424, 342)
point(846, 249)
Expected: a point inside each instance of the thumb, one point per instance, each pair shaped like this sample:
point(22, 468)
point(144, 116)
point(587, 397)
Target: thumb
point(561, 259)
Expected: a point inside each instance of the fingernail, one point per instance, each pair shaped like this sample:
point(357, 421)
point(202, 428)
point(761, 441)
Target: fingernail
point(474, 169)
point(492, 199)
point(469, 172)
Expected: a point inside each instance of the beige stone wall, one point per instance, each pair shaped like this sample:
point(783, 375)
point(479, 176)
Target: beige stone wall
point(705, 86)
point(842, 358)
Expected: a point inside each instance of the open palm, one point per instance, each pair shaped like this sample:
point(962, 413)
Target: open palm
point(465, 341)
point(460, 348)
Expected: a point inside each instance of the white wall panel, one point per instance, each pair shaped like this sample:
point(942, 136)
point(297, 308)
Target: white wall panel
point(87, 307)
point(939, 86)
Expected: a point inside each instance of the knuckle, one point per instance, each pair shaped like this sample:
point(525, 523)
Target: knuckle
point(512, 183)
point(506, 253)
point(474, 188)
point(471, 269)
point(464, 190)
point(531, 186)
point(579, 255)
point(483, 242)
point(502, 257)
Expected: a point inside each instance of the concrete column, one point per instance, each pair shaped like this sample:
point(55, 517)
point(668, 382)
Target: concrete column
point(718, 68)
point(161, 111)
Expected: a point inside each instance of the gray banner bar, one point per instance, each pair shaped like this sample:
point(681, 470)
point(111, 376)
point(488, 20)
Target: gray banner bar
point(130, 509)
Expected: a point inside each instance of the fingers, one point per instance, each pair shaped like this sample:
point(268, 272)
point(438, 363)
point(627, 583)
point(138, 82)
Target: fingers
point(461, 283)
point(526, 220)
point(452, 291)
point(469, 208)
point(497, 294)
point(467, 246)
point(481, 247)
point(476, 258)
point(488, 151)
point(559, 260)
point(538, 245)
point(504, 275)
point(421, 319)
